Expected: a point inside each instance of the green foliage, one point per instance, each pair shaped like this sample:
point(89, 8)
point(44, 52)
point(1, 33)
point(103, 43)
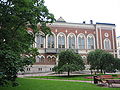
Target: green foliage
point(117, 63)
point(16, 16)
point(69, 61)
point(101, 60)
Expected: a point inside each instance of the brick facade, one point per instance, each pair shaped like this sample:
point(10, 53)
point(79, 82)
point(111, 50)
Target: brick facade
point(99, 32)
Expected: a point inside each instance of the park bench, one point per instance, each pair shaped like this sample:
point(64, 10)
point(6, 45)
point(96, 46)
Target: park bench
point(106, 77)
point(112, 81)
point(101, 77)
point(118, 76)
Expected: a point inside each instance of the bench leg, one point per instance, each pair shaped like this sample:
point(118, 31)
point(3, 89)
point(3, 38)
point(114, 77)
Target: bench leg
point(110, 85)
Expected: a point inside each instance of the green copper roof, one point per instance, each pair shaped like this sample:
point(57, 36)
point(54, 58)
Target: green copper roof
point(60, 20)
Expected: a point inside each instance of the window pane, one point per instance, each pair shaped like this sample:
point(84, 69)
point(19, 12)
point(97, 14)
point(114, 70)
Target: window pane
point(51, 41)
point(39, 41)
point(90, 43)
point(107, 44)
point(61, 41)
point(71, 42)
point(81, 43)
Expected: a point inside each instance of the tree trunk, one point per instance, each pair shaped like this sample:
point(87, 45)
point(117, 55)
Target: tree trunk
point(68, 73)
point(101, 70)
point(104, 72)
point(91, 71)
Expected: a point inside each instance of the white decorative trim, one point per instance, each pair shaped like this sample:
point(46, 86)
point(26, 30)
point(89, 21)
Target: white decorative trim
point(97, 38)
point(58, 36)
point(53, 56)
point(105, 27)
point(113, 43)
point(42, 56)
point(49, 56)
point(113, 40)
point(72, 25)
point(101, 39)
point(106, 35)
point(68, 39)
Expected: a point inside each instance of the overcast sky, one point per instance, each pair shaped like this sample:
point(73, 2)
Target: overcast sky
point(77, 11)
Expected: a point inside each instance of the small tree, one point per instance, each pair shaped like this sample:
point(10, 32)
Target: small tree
point(117, 63)
point(101, 60)
point(69, 61)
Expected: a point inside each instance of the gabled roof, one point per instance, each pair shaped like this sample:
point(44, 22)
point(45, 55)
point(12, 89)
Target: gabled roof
point(61, 20)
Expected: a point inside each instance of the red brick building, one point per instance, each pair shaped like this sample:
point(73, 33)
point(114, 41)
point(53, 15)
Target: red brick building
point(80, 37)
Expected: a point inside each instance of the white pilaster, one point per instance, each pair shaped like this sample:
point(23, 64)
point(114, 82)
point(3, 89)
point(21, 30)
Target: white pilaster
point(101, 39)
point(97, 38)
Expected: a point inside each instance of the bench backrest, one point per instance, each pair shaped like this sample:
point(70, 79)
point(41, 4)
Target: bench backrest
point(118, 76)
point(106, 76)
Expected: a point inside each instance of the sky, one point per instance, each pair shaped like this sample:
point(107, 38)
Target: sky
point(77, 11)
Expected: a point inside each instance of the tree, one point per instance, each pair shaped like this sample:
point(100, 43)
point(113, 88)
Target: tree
point(117, 63)
point(69, 61)
point(101, 60)
point(16, 18)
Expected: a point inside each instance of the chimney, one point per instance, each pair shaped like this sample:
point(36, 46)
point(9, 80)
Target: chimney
point(91, 21)
point(83, 22)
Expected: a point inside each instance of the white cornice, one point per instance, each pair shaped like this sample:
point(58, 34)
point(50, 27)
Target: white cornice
point(72, 25)
point(106, 27)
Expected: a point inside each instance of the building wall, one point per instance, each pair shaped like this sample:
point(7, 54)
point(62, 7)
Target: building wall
point(99, 31)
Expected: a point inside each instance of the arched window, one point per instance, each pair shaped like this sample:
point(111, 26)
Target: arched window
point(40, 58)
point(49, 58)
point(81, 41)
point(39, 41)
point(90, 42)
point(61, 41)
point(107, 44)
point(71, 40)
point(51, 41)
point(53, 58)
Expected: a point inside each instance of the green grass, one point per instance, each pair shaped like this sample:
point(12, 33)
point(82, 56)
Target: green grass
point(75, 77)
point(37, 84)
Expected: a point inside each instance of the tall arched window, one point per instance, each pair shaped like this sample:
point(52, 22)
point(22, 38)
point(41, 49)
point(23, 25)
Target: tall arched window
point(81, 41)
point(71, 40)
point(39, 41)
point(90, 42)
point(51, 41)
point(107, 44)
point(61, 41)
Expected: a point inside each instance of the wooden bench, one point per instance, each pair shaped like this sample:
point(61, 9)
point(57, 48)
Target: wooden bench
point(118, 76)
point(112, 81)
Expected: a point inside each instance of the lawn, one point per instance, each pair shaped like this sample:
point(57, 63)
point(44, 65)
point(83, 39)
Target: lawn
point(37, 84)
point(74, 77)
